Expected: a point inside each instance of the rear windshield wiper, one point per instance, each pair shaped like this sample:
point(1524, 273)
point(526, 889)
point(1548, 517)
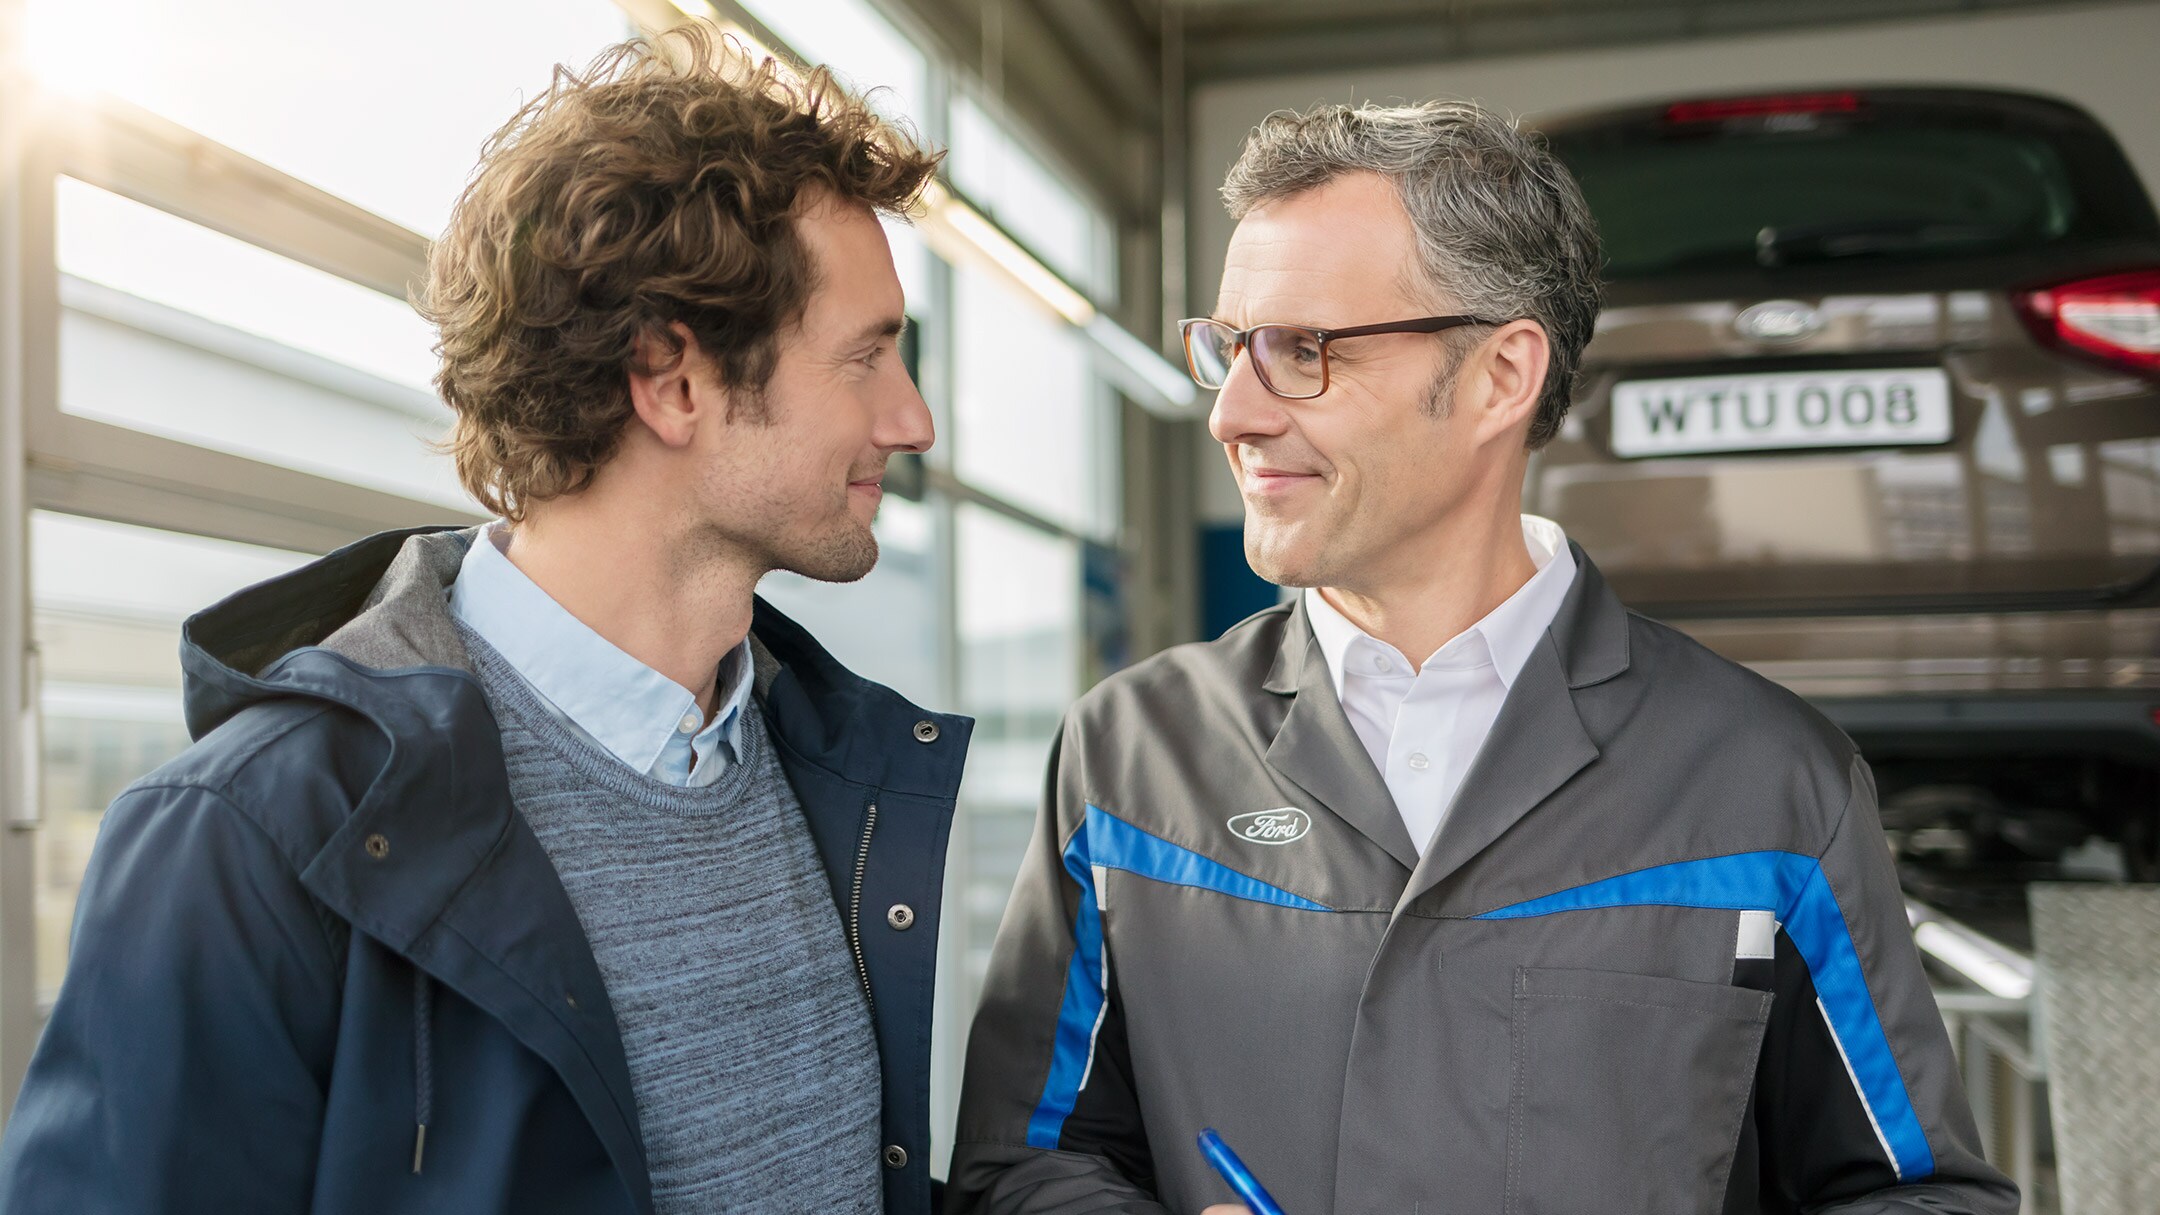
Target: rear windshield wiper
point(1780, 246)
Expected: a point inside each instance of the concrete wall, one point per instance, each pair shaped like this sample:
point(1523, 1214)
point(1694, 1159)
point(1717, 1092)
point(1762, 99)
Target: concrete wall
point(2105, 58)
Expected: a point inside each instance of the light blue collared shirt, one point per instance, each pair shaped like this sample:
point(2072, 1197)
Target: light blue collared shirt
point(629, 710)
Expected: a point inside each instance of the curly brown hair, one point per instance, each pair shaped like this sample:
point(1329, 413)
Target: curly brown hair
point(658, 186)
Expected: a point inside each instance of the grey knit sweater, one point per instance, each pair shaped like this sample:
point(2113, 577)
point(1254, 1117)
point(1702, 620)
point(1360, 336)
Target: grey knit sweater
point(749, 1042)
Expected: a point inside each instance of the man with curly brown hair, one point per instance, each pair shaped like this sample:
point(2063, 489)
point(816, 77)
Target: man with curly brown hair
point(540, 866)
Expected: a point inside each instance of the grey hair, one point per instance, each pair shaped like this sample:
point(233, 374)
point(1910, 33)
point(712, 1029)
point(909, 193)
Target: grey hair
point(1501, 225)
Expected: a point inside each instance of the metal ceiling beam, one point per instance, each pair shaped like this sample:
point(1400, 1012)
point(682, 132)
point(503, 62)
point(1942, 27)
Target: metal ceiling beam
point(1234, 39)
point(1108, 37)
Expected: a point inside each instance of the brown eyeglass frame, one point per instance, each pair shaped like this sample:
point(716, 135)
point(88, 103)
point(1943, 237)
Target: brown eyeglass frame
point(1321, 337)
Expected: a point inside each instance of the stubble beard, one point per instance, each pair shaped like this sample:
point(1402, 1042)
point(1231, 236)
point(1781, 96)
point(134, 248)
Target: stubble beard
point(839, 558)
point(845, 551)
point(841, 548)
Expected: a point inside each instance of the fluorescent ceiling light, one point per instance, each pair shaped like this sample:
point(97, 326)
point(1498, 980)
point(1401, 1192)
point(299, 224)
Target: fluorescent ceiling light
point(1144, 375)
point(980, 241)
point(959, 233)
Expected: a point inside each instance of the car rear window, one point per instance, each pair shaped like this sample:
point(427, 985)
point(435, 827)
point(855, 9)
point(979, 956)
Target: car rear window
point(1881, 180)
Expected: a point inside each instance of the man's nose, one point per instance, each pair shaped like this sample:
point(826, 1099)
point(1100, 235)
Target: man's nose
point(1244, 408)
point(904, 422)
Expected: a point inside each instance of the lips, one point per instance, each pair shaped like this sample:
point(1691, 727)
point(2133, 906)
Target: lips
point(1276, 480)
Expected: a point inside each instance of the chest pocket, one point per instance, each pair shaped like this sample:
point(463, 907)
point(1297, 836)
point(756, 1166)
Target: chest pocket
point(1627, 1091)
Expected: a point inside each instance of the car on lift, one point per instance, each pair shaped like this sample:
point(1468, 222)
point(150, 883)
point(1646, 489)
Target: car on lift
point(1874, 409)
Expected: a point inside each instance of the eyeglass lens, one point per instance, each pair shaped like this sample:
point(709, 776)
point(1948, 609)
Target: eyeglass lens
point(1288, 359)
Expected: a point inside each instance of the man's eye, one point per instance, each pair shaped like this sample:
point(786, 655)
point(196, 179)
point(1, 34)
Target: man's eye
point(1306, 353)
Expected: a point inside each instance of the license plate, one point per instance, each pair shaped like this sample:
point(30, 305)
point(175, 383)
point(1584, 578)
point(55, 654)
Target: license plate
point(1780, 410)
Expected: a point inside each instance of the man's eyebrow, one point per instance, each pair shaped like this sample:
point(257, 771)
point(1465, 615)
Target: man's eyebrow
point(886, 327)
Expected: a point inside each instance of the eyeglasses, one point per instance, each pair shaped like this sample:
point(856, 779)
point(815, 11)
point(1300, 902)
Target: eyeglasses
point(1291, 360)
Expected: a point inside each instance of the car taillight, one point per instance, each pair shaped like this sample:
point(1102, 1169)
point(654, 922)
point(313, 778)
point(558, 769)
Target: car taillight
point(2114, 318)
point(1721, 108)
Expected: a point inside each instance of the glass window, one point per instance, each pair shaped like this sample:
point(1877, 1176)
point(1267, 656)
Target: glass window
point(1020, 643)
point(859, 44)
point(1032, 201)
point(1857, 179)
point(885, 627)
point(174, 329)
point(911, 261)
point(1020, 635)
point(1031, 422)
point(106, 605)
point(119, 243)
point(388, 109)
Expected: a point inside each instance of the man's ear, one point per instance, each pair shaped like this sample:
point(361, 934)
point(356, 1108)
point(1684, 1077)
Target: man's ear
point(1511, 364)
point(674, 392)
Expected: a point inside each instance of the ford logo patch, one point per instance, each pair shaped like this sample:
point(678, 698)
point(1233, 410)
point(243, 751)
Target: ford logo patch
point(1284, 825)
point(1779, 321)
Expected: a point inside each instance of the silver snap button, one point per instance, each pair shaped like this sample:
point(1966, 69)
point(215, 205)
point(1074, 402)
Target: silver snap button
point(378, 846)
point(925, 732)
point(901, 916)
point(895, 1156)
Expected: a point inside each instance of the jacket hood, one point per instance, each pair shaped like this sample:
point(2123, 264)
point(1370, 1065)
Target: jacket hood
point(381, 602)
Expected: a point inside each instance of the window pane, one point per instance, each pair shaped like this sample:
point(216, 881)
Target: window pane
point(106, 605)
point(1911, 182)
point(1032, 201)
point(885, 627)
point(911, 261)
point(1030, 420)
point(174, 329)
point(1019, 627)
point(119, 243)
point(387, 106)
point(859, 44)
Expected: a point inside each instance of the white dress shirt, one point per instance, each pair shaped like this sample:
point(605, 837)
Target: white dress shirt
point(1423, 724)
point(631, 711)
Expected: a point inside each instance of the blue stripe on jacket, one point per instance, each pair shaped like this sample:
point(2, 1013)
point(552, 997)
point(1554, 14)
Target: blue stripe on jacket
point(1106, 841)
point(1792, 887)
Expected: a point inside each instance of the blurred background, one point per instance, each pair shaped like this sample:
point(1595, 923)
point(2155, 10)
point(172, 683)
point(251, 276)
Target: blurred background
point(213, 211)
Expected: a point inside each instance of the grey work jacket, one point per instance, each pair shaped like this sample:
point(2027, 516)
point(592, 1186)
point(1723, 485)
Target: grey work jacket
point(1655, 960)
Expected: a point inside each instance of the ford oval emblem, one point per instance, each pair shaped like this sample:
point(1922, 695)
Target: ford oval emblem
point(1283, 825)
point(1779, 321)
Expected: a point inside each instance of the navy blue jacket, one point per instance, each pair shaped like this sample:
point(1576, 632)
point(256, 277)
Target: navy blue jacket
point(324, 926)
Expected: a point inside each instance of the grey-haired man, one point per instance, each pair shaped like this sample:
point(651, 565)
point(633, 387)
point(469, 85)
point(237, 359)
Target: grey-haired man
point(1450, 886)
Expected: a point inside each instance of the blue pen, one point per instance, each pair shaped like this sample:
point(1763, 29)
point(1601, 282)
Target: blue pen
point(1248, 1187)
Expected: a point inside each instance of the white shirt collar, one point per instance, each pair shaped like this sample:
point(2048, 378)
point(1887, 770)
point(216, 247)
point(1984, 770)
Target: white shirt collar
point(627, 707)
point(1504, 639)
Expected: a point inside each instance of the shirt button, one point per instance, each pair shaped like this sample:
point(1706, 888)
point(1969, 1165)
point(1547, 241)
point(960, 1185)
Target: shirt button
point(689, 724)
point(1379, 663)
point(1418, 762)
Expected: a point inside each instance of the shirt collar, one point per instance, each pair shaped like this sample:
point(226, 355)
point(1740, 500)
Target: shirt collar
point(1504, 638)
point(627, 707)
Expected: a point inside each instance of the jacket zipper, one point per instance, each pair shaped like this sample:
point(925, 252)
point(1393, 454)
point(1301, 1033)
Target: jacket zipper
point(862, 865)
